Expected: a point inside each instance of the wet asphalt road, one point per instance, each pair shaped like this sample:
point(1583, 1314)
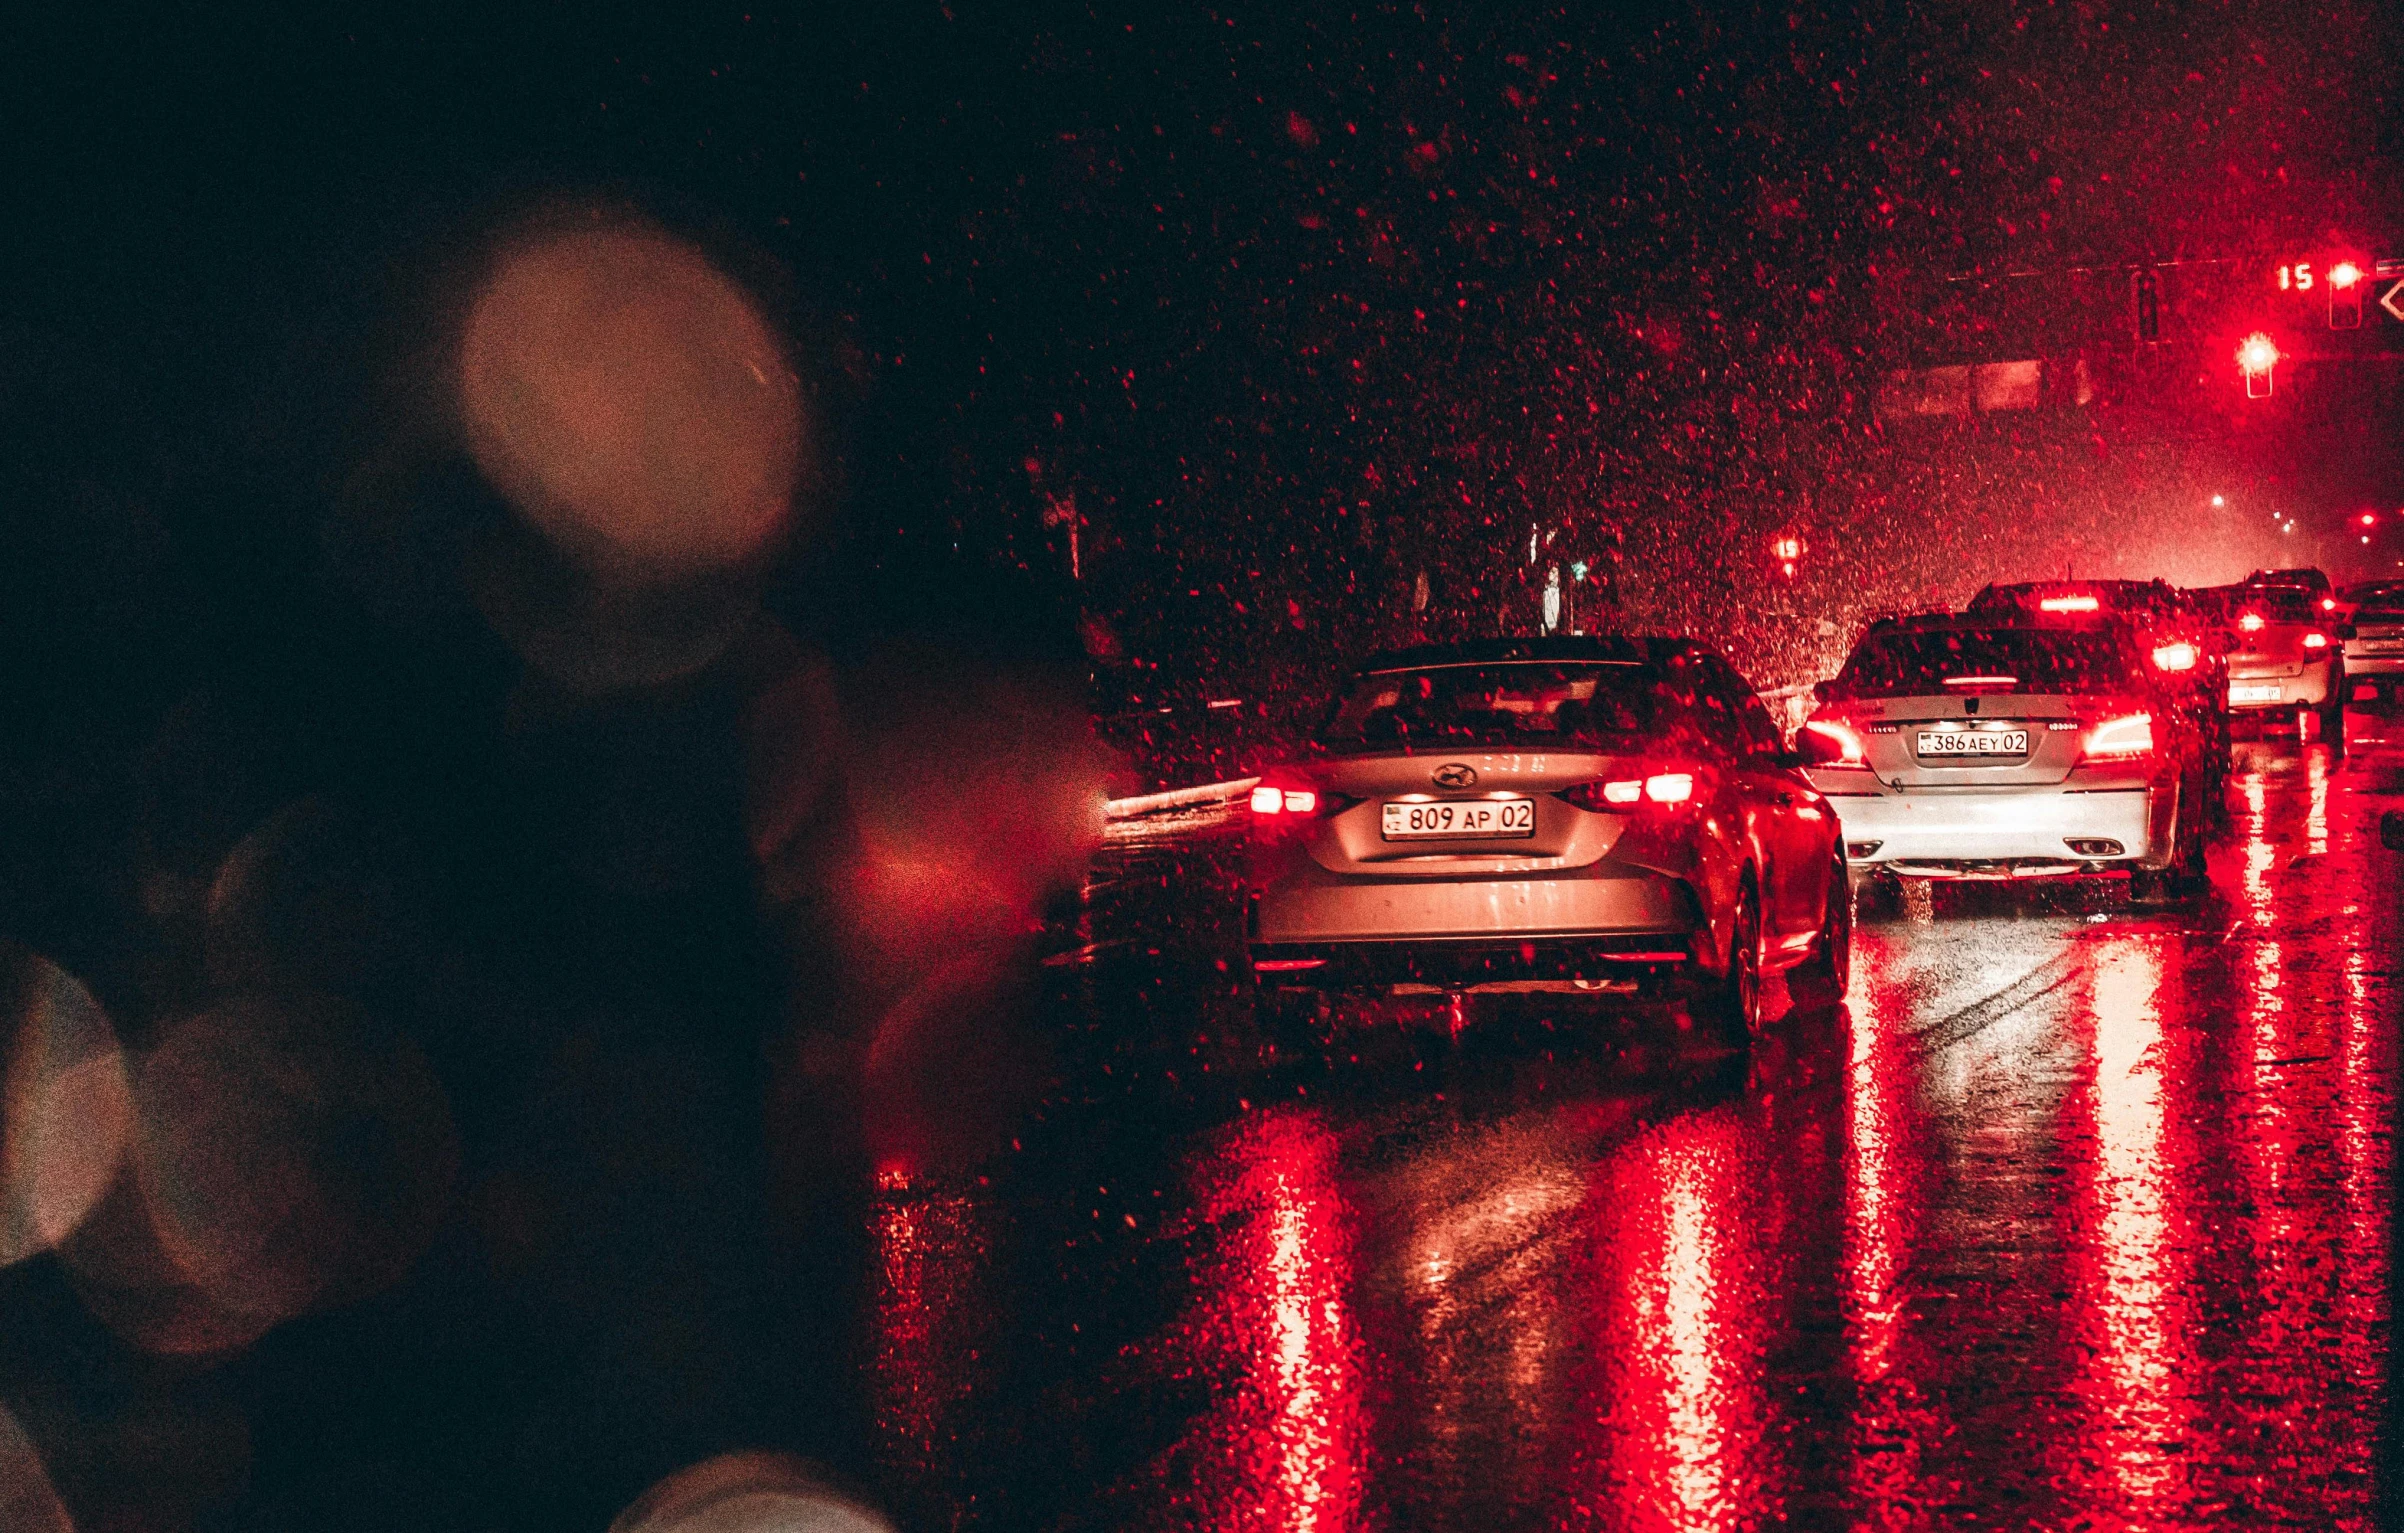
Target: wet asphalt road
point(2075, 1216)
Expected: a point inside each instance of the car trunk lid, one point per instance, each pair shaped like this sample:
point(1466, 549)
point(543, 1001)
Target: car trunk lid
point(1461, 811)
point(1996, 740)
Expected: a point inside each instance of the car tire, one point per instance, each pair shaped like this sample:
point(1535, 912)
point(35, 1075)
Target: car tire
point(1729, 1007)
point(1823, 978)
point(2188, 875)
point(2184, 875)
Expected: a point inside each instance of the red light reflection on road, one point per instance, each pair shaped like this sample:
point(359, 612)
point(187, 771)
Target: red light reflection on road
point(925, 1325)
point(1287, 1447)
point(2131, 1247)
point(2366, 1110)
point(1880, 1206)
point(2316, 804)
point(1893, 1423)
point(2259, 853)
point(1682, 1416)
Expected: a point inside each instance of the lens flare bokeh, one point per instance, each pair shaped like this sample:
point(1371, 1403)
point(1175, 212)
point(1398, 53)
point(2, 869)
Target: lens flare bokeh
point(66, 1106)
point(631, 400)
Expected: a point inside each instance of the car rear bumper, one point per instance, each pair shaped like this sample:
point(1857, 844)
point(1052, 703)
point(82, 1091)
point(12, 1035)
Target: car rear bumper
point(2307, 690)
point(2034, 827)
point(1312, 905)
point(1646, 960)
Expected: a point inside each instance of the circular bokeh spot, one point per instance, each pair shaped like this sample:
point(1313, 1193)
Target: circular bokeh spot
point(292, 1157)
point(746, 1493)
point(631, 401)
point(64, 1117)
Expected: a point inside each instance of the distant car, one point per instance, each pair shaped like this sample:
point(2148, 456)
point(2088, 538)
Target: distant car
point(2374, 645)
point(1972, 747)
point(1592, 808)
point(2287, 657)
point(2313, 583)
point(2351, 598)
point(2184, 639)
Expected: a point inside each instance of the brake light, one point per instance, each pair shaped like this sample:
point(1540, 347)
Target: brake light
point(1829, 734)
point(1660, 788)
point(2122, 739)
point(2251, 622)
point(2316, 641)
point(2177, 656)
point(1982, 681)
point(2069, 604)
point(1269, 798)
point(1670, 787)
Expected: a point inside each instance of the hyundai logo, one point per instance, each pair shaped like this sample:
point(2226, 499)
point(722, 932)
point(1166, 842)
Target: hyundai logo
point(1454, 774)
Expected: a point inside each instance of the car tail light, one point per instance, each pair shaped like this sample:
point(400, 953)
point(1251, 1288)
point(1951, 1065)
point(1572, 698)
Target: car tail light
point(2316, 641)
point(1832, 743)
point(1272, 798)
point(2251, 622)
point(1669, 787)
point(2069, 604)
point(1622, 793)
point(2121, 739)
point(2328, 604)
point(2177, 656)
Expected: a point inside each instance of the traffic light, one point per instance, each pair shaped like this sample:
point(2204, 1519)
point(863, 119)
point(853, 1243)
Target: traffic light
point(2146, 300)
point(2345, 296)
point(2256, 357)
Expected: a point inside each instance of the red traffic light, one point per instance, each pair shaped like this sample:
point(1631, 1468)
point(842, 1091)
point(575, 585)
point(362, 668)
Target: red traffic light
point(2256, 356)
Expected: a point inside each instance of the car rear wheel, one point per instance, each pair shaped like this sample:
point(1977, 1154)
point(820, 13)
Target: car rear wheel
point(1823, 978)
point(2188, 875)
point(2333, 721)
point(2185, 874)
point(1730, 1008)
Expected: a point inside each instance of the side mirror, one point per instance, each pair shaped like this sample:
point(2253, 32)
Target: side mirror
point(2345, 631)
point(2391, 830)
point(1792, 760)
point(1823, 691)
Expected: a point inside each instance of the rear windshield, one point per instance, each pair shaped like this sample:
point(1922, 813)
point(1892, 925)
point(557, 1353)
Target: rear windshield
point(1985, 659)
point(1604, 707)
point(2276, 605)
point(2052, 599)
